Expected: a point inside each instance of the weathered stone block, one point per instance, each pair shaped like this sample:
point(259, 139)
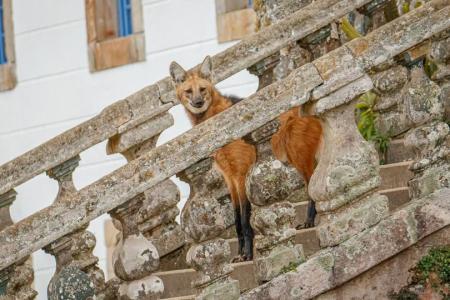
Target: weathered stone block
point(391, 79)
point(309, 279)
point(202, 218)
point(227, 289)
point(351, 168)
point(440, 50)
point(445, 98)
point(277, 261)
point(271, 181)
point(147, 288)
point(422, 98)
point(137, 135)
point(392, 123)
point(337, 69)
point(135, 257)
point(71, 284)
point(343, 95)
point(274, 222)
point(211, 260)
point(341, 225)
point(430, 180)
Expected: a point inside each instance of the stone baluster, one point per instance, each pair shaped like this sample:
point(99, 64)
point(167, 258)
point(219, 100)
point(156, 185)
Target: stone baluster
point(16, 280)
point(264, 69)
point(379, 12)
point(204, 219)
point(425, 102)
point(279, 65)
point(147, 222)
point(270, 185)
point(76, 272)
point(345, 180)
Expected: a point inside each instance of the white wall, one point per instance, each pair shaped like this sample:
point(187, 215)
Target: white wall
point(56, 91)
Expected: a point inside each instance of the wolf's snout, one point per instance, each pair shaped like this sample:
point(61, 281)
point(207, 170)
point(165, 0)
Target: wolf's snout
point(198, 102)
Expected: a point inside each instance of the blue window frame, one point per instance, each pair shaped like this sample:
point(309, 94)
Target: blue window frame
point(2, 36)
point(124, 13)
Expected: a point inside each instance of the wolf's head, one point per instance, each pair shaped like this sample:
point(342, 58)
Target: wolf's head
point(194, 89)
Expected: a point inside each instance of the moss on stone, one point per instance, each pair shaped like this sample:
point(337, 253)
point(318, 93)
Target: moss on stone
point(326, 262)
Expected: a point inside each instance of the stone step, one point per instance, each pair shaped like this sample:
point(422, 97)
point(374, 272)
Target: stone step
point(178, 283)
point(190, 297)
point(397, 197)
point(397, 152)
point(395, 175)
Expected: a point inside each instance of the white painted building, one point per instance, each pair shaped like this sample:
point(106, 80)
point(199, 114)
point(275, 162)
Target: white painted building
point(56, 91)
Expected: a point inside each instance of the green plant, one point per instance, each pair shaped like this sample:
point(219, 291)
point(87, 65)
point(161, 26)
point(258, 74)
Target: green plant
point(430, 67)
point(367, 117)
point(349, 30)
point(405, 7)
point(291, 267)
point(437, 261)
point(404, 294)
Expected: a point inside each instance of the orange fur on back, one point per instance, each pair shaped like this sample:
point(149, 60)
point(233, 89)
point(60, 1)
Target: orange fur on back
point(297, 141)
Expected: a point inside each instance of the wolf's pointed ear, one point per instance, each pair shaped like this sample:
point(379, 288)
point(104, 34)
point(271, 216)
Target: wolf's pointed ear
point(206, 68)
point(177, 72)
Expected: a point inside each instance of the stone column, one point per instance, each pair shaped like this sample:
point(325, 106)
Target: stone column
point(16, 280)
point(76, 266)
point(135, 257)
point(279, 65)
point(204, 220)
point(425, 102)
point(147, 221)
point(269, 185)
point(345, 180)
point(378, 11)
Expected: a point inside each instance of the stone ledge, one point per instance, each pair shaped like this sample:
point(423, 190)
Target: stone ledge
point(335, 266)
point(389, 276)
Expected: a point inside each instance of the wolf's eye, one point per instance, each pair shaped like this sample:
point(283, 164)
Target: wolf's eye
point(188, 91)
point(202, 90)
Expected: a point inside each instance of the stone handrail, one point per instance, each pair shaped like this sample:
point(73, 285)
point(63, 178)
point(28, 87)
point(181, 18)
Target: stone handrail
point(318, 79)
point(158, 98)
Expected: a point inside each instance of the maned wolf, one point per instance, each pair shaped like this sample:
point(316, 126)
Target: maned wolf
point(297, 142)
point(201, 101)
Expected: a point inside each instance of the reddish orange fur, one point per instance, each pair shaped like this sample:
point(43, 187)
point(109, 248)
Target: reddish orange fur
point(297, 141)
point(233, 160)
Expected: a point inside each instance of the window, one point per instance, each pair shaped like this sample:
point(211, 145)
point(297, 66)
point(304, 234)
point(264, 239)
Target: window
point(235, 19)
point(2, 37)
point(7, 56)
point(115, 33)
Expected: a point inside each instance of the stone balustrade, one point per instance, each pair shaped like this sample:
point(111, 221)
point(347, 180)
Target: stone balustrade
point(17, 279)
point(73, 252)
point(132, 194)
point(158, 98)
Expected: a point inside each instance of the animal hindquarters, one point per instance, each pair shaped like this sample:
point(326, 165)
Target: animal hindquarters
point(234, 162)
point(297, 142)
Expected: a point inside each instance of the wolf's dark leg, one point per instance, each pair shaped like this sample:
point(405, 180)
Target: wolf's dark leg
point(239, 231)
point(311, 216)
point(246, 210)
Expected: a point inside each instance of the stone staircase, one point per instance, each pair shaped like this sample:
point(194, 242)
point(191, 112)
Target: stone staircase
point(305, 57)
point(395, 176)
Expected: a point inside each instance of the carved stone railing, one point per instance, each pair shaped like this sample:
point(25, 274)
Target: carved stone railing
point(329, 84)
point(133, 118)
point(158, 98)
point(16, 280)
